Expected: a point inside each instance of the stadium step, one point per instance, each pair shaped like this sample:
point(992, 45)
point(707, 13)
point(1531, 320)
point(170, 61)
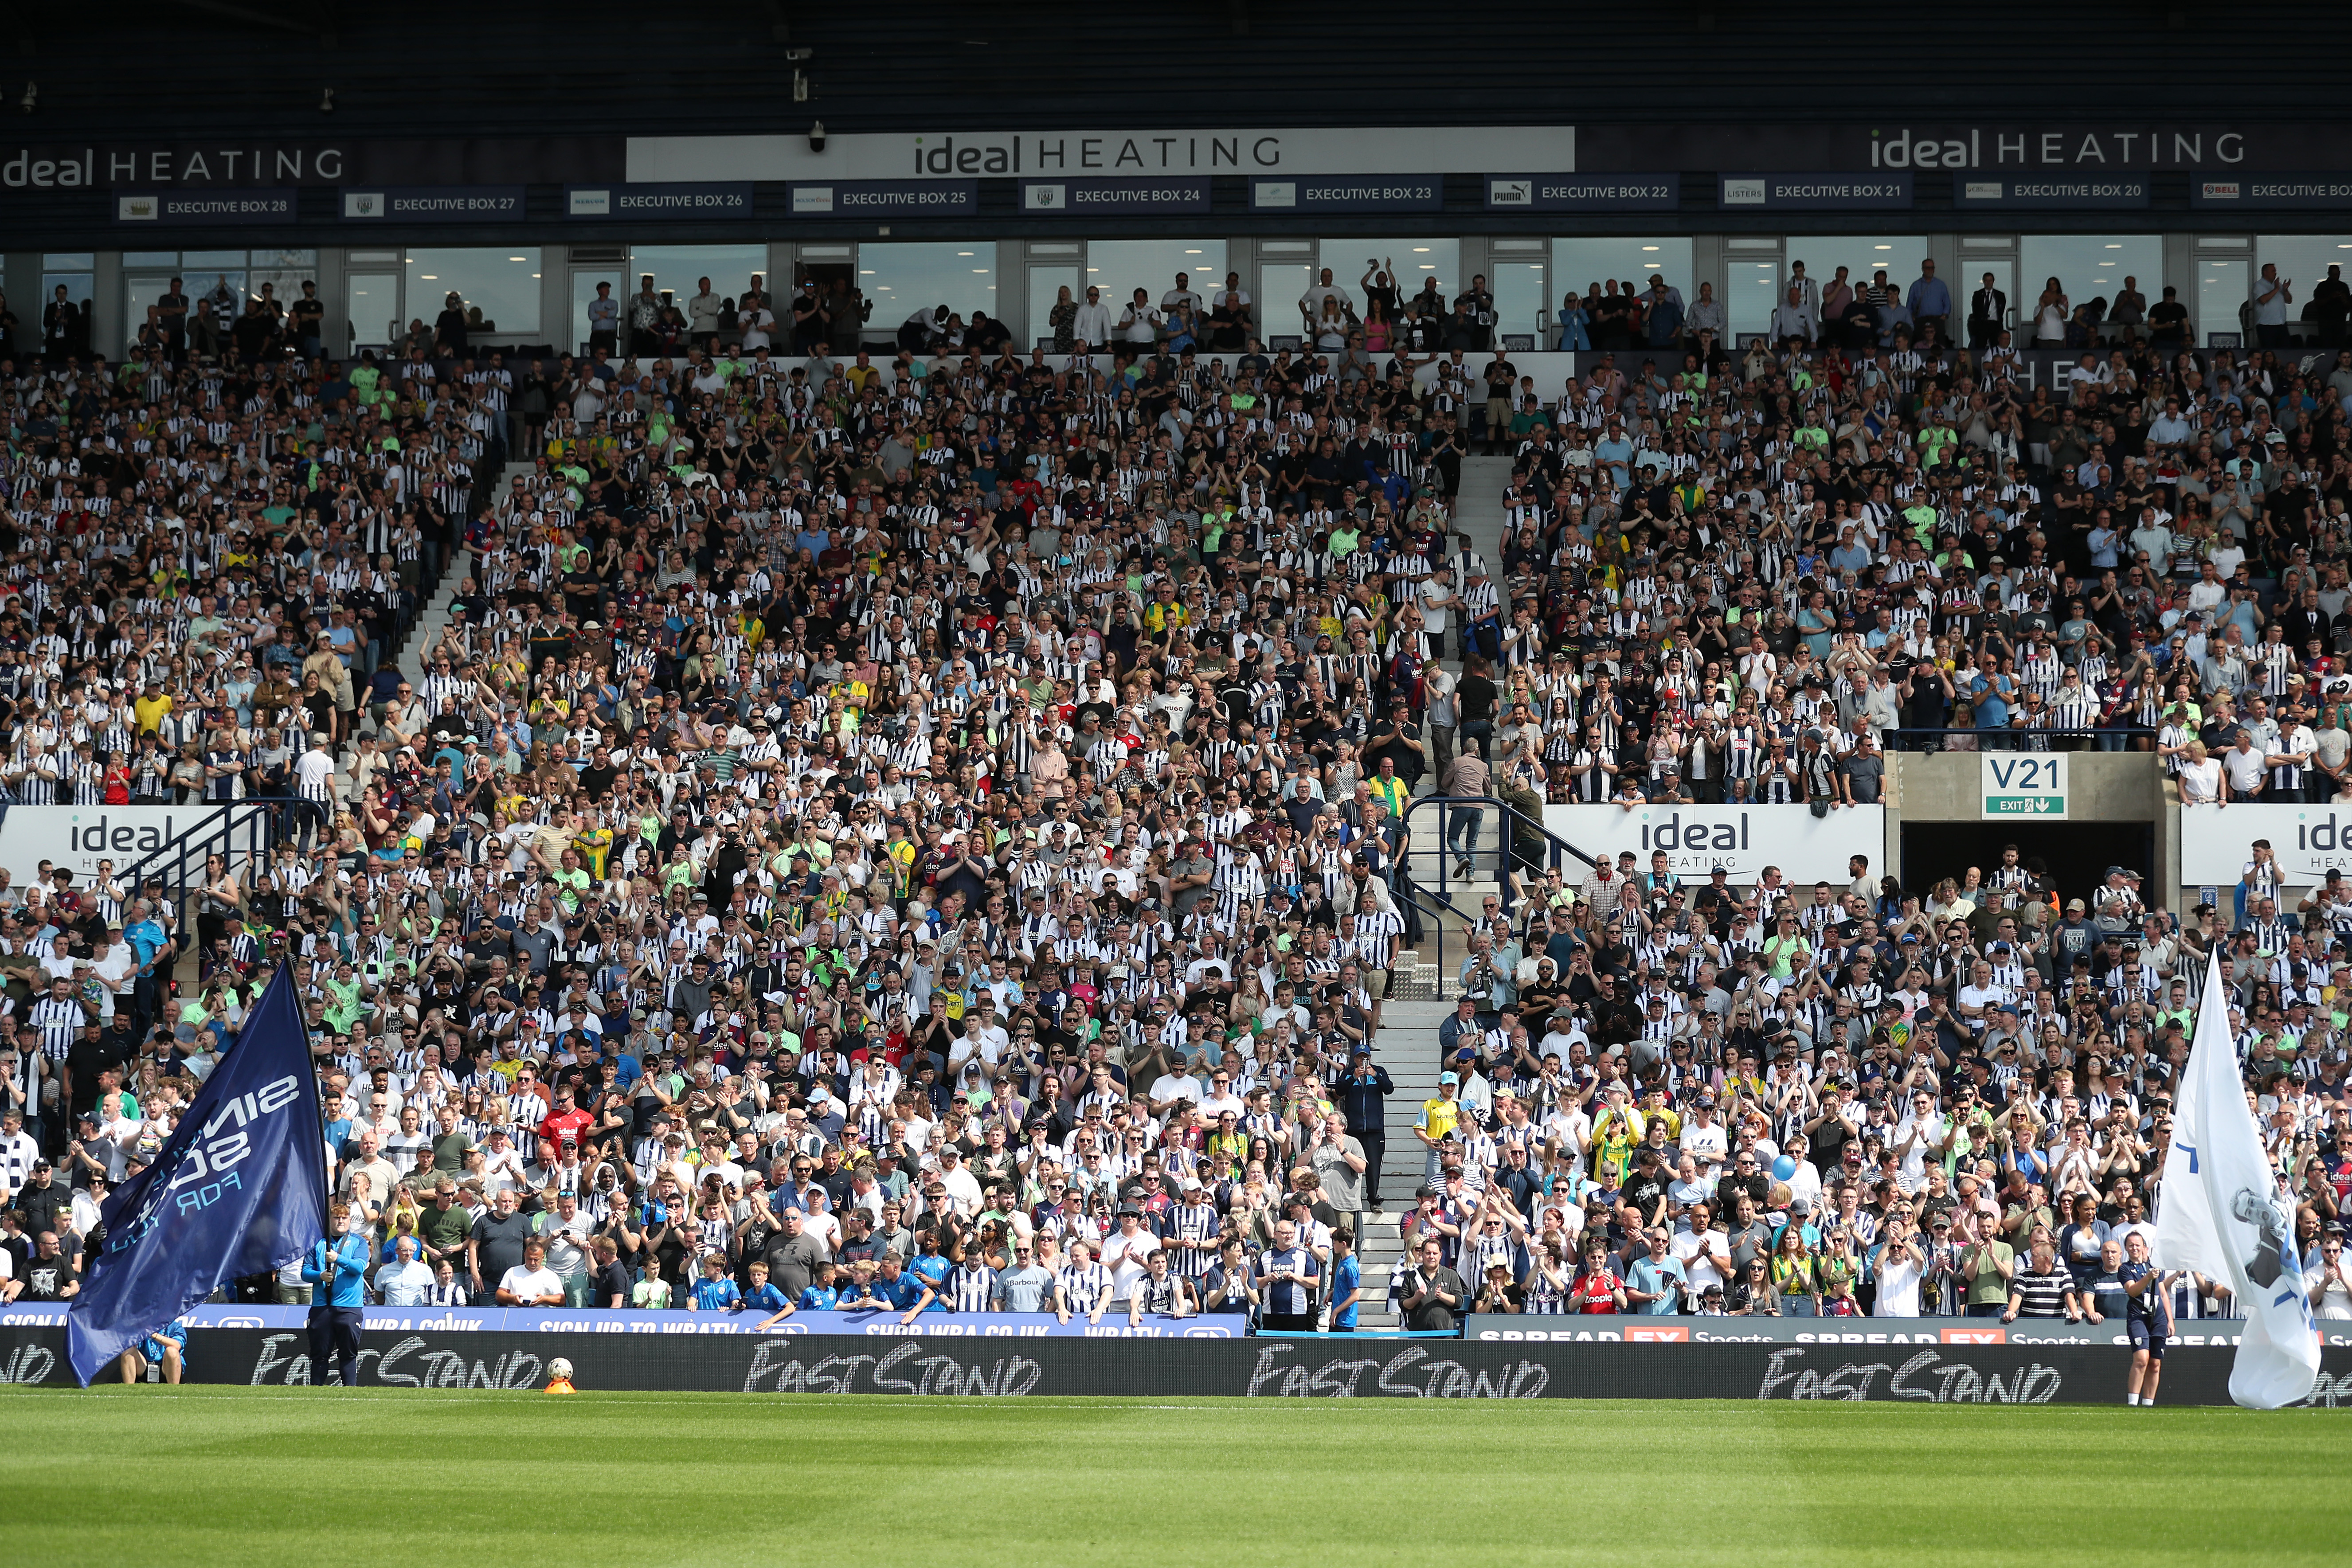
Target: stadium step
point(1406, 1045)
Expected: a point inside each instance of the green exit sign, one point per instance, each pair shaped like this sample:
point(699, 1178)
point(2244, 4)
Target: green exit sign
point(2025, 806)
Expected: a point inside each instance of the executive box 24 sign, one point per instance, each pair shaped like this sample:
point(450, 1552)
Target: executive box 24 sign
point(2024, 784)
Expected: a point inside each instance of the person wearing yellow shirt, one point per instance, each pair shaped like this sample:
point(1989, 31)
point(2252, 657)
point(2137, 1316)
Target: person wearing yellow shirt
point(594, 844)
point(151, 707)
point(1616, 1132)
point(1439, 1118)
point(1390, 790)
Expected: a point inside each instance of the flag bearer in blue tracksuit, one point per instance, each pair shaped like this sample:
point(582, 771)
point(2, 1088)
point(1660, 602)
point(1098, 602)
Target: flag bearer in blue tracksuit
point(336, 1267)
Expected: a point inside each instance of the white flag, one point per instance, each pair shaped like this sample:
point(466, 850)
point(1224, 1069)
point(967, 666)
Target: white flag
point(2221, 1213)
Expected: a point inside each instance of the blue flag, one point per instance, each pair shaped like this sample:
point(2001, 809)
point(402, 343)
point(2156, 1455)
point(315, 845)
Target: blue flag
point(239, 1188)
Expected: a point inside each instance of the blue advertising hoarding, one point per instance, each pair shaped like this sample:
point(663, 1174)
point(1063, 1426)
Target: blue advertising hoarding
point(1584, 192)
point(1349, 193)
point(173, 208)
point(1083, 198)
point(1878, 189)
point(641, 203)
point(886, 198)
point(432, 204)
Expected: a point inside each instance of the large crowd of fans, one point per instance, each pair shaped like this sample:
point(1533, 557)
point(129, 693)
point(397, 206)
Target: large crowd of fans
point(925, 831)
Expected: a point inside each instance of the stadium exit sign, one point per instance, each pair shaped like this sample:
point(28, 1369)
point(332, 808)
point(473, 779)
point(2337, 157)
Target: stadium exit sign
point(2024, 784)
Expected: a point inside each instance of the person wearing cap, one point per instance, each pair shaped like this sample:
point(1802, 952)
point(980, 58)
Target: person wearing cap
point(1440, 1119)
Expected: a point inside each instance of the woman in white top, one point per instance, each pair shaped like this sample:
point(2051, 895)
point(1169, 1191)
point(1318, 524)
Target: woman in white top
point(2201, 778)
point(2050, 313)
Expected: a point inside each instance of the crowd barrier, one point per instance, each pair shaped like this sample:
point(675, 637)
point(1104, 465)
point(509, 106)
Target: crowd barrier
point(1936, 1362)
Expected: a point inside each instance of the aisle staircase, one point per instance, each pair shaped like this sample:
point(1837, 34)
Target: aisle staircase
point(1406, 1043)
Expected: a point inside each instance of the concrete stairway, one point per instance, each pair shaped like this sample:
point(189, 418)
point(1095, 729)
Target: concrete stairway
point(1406, 1045)
point(1478, 512)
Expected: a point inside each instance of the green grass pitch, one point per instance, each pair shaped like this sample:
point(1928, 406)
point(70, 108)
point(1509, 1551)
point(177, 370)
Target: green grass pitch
point(258, 1477)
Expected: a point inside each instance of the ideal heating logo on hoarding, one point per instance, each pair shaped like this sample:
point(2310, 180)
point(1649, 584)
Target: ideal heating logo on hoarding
point(1968, 149)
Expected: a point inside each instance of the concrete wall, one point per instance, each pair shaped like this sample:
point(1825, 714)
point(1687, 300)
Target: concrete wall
point(2101, 786)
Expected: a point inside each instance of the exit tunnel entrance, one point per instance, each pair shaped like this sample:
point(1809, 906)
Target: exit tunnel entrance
point(2076, 853)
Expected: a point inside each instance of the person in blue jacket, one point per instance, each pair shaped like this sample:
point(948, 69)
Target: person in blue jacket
point(336, 1269)
point(167, 1347)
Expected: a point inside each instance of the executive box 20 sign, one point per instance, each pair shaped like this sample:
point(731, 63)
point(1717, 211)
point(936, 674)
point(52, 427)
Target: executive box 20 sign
point(2025, 783)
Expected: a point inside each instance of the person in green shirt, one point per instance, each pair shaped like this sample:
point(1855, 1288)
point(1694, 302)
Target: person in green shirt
point(1986, 1266)
point(344, 1006)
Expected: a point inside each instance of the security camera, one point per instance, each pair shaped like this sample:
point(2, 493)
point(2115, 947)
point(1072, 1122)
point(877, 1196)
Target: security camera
point(816, 137)
point(797, 56)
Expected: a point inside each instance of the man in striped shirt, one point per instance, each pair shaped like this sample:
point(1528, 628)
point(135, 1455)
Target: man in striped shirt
point(58, 1017)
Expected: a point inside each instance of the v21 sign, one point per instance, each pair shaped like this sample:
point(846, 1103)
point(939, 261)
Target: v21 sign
point(2024, 784)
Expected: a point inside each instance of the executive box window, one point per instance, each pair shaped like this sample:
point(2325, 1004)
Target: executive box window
point(1119, 267)
point(2221, 289)
point(147, 277)
point(499, 282)
point(899, 280)
point(2089, 269)
point(677, 271)
point(1588, 263)
point(1417, 262)
point(1862, 256)
point(2303, 259)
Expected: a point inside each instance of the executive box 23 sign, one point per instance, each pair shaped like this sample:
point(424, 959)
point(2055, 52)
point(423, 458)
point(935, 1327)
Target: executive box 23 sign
point(2024, 784)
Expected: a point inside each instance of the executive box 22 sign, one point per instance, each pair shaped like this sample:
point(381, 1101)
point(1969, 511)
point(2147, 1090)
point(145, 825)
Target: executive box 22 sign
point(2024, 784)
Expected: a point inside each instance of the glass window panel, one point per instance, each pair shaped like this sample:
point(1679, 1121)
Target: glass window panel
point(2088, 267)
point(1861, 255)
point(2223, 283)
point(301, 260)
point(583, 290)
point(1580, 263)
point(370, 308)
point(680, 268)
point(902, 278)
point(1752, 289)
point(1518, 290)
point(500, 282)
point(1045, 286)
point(151, 259)
point(140, 291)
point(1973, 270)
point(1119, 267)
point(2304, 259)
point(214, 259)
point(1281, 285)
point(77, 287)
point(71, 261)
point(1417, 261)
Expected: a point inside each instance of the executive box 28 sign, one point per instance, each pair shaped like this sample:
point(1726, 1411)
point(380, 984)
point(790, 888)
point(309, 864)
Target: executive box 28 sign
point(2024, 784)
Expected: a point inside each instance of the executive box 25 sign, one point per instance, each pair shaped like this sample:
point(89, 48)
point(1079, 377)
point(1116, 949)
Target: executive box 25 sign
point(2024, 784)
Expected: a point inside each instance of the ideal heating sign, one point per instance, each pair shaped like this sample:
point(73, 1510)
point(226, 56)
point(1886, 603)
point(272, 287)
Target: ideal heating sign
point(2025, 783)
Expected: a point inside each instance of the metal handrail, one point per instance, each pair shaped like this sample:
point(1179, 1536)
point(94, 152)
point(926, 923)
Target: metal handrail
point(2011, 738)
point(1436, 902)
point(1509, 819)
point(249, 827)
